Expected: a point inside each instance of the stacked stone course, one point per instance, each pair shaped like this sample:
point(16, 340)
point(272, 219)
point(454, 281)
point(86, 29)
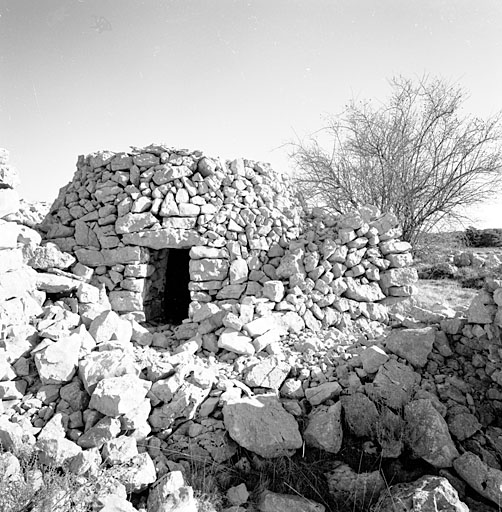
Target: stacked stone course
point(252, 251)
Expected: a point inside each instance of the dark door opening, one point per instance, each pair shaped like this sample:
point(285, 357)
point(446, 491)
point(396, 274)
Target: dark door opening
point(176, 292)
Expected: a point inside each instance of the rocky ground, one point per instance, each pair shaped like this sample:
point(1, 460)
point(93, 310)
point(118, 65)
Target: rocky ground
point(402, 417)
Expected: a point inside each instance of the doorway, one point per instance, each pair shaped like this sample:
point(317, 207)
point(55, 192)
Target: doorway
point(176, 292)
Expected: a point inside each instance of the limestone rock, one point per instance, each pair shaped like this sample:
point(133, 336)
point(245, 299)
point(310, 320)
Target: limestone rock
point(373, 358)
point(273, 290)
point(53, 448)
point(427, 494)
point(114, 396)
point(49, 256)
point(237, 495)
point(360, 414)
point(323, 392)
point(119, 450)
point(135, 222)
point(356, 490)
point(187, 398)
point(100, 433)
point(57, 362)
point(100, 365)
point(261, 424)
point(414, 345)
point(234, 341)
point(393, 385)
point(427, 434)
point(170, 494)
point(273, 502)
point(270, 373)
point(9, 202)
point(463, 425)
point(479, 312)
point(137, 474)
point(324, 428)
point(483, 479)
point(363, 292)
point(13, 437)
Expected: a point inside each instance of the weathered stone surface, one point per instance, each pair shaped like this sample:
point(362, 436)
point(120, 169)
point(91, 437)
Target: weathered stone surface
point(137, 474)
point(414, 345)
point(483, 479)
point(13, 437)
point(270, 373)
point(363, 292)
point(427, 494)
point(323, 392)
point(373, 358)
point(261, 424)
point(183, 405)
point(360, 413)
point(479, 312)
point(51, 283)
point(9, 202)
point(239, 271)
point(356, 490)
point(273, 502)
point(427, 434)
point(125, 301)
point(273, 290)
point(100, 433)
point(135, 222)
point(206, 269)
point(114, 396)
point(119, 450)
point(49, 256)
point(58, 362)
point(393, 385)
point(15, 282)
point(234, 341)
point(164, 238)
point(101, 365)
point(463, 425)
point(170, 494)
point(324, 428)
point(398, 277)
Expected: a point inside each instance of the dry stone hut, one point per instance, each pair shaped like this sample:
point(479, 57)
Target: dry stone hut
point(177, 237)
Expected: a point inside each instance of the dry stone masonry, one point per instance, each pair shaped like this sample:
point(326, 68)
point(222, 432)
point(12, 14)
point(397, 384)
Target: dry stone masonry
point(286, 343)
point(219, 246)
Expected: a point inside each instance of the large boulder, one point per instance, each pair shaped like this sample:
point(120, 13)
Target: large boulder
point(427, 434)
point(414, 345)
point(261, 425)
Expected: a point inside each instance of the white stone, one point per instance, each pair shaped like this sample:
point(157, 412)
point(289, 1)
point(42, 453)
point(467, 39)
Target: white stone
point(114, 396)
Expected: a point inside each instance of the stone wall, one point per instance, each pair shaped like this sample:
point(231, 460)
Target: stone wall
point(253, 252)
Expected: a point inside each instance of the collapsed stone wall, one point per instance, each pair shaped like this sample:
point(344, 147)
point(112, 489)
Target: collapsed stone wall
point(252, 252)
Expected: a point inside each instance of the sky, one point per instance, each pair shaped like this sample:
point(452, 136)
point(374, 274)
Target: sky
point(229, 77)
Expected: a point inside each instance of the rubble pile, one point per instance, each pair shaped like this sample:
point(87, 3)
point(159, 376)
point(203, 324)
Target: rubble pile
point(243, 380)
